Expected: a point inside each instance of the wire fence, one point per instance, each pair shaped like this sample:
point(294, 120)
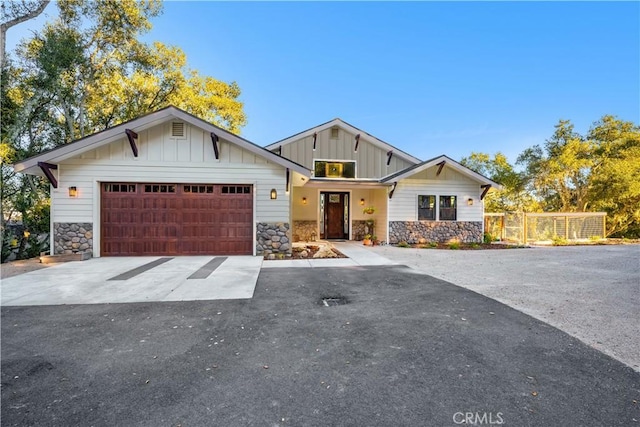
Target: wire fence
point(524, 227)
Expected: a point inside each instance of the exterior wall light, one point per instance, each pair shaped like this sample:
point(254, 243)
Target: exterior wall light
point(73, 191)
point(304, 200)
point(274, 194)
point(469, 201)
point(361, 202)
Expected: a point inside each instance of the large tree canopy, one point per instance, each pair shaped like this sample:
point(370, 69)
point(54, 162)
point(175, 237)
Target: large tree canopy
point(598, 171)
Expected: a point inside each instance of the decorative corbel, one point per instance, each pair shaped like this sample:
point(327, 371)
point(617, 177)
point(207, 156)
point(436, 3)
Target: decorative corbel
point(132, 136)
point(486, 188)
point(440, 166)
point(393, 188)
point(315, 137)
point(357, 142)
point(288, 183)
point(389, 155)
point(46, 169)
point(214, 141)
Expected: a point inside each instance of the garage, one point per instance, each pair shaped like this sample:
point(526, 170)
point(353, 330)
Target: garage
point(176, 219)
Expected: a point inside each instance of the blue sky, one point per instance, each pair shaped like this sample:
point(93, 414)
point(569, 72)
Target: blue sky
point(428, 77)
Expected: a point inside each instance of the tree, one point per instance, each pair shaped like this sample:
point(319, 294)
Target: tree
point(615, 179)
point(14, 12)
point(87, 71)
point(558, 174)
point(513, 197)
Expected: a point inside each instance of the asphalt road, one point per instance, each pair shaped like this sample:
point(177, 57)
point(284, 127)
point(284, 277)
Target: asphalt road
point(406, 350)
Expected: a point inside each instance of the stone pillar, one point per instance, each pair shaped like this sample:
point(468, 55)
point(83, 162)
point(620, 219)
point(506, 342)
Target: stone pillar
point(273, 238)
point(72, 237)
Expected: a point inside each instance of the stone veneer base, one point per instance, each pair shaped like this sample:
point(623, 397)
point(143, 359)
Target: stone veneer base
point(435, 231)
point(273, 238)
point(72, 237)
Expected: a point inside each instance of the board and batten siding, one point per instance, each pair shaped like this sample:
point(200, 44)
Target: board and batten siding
point(371, 160)
point(403, 206)
point(164, 159)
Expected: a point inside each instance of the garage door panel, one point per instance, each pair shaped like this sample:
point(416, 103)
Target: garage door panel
point(159, 219)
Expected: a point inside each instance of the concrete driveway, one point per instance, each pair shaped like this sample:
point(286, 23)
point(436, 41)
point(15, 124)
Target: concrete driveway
point(590, 292)
point(135, 279)
point(406, 350)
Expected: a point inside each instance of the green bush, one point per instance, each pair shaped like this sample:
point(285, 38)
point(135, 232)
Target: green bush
point(559, 241)
point(403, 244)
point(454, 245)
point(487, 237)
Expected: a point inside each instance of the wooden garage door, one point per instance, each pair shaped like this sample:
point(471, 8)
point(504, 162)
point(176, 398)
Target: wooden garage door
point(176, 219)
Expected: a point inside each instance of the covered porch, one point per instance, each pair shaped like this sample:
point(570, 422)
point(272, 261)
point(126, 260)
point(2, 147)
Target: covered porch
point(331, 209)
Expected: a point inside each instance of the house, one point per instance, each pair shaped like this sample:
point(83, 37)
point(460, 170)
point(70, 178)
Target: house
point(169, 183)
point(437, 200)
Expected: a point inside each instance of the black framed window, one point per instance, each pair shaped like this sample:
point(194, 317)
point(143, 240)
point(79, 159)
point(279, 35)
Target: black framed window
point(426, 208)
point(448, 208)
point(334, 169)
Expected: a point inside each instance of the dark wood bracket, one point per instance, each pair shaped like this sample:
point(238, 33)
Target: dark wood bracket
point(315, 137)
point(393, 188)
point(440, 166)
point(486, 188)
point(214, 140)
point(279, 150)
point(288, 175)
point(357, 142)
point(389, 155)
point(46, 169)
point(132, 136)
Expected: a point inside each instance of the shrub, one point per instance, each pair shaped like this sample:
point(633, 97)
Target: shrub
point(403, 244)
point(559, 241)
point(487, 237)
point(454, 245)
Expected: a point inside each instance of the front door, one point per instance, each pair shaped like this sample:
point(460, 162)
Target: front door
point(336, 215)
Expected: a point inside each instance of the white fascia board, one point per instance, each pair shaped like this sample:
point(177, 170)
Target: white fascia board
point(346, 126)
point(448, 162)
point(115, 133)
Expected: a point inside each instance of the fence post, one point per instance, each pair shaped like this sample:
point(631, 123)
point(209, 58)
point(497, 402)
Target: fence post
point(604, 226)
point(524, 228)
point(566, 227)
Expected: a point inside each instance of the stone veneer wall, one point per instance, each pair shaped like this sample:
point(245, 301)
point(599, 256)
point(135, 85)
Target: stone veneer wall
point(72, 237)
point(358, 229)
point(302, 230)
point(273, 238)
point(435, 231)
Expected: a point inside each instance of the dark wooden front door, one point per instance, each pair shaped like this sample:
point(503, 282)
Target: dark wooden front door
point(336, 215)
point(176, 219)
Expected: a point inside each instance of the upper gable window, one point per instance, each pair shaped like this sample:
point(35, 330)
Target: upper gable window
point(178, 130)
point(334, 169)
point(335, 132)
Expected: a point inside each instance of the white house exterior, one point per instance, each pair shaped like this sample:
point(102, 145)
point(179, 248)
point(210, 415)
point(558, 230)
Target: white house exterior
point(169, 183)
point(134, 201)
point(380, 175)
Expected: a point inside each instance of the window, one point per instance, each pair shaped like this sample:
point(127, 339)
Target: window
point(334, 169)
point(159, 188)
point(426, 208)
point(120, 188)
point(198, 189)
point(236, 189)
point(448, 208)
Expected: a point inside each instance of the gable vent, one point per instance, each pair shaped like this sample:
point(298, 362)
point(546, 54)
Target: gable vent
point(334, 133)
point(177, 129)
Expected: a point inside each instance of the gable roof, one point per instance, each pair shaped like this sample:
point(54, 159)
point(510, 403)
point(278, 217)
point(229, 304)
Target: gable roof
point(350, 128)
point(115, 133)
point(412, 170)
